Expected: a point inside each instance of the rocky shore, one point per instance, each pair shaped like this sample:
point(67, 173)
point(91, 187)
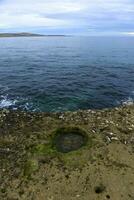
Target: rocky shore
point(34, 165)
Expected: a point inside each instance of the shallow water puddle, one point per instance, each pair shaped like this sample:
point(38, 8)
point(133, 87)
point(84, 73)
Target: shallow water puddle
point(69, 140)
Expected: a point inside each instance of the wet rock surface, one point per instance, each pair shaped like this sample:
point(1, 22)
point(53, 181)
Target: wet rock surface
point(99, 165)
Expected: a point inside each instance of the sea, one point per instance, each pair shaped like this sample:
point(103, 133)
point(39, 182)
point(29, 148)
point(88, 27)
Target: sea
point(55, 74)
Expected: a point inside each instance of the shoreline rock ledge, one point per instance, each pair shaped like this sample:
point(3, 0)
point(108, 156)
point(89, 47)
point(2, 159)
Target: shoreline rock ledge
point(82, 155)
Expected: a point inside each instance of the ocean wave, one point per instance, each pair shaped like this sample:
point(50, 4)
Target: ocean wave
point(19, 103)
point(129, 101)
point(6, 103)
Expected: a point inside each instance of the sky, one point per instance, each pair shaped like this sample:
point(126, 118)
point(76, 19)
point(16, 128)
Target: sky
point(76, 17)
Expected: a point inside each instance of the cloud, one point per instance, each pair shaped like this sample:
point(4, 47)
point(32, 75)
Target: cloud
point(29, 20)
point(128, 33)
point(87, 16)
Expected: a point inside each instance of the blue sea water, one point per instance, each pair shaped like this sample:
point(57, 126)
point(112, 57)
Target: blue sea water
point(66, 73)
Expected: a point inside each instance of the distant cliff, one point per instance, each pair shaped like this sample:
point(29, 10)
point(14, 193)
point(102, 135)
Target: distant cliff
point(24, 35)
point(18, 34)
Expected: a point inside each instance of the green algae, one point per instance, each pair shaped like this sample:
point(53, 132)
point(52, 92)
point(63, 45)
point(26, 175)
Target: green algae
point(47, 150)
point(42, 149)
point(30, 167)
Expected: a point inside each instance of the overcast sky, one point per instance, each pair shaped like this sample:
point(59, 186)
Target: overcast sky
point(81, 17)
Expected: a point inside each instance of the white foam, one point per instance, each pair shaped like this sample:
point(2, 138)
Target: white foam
point(22, 103)
point(6, 103)
point(128, 101)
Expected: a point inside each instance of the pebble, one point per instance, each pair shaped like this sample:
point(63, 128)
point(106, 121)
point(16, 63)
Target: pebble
point(114, 138)
point(61, 117)
point(111, 133)
point(108, 139)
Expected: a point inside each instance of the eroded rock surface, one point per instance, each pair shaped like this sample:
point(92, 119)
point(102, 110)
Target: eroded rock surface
point(31, 168)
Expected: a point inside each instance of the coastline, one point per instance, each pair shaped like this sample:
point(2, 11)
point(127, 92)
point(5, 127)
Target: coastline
point(30, 168)
point(10, 35)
